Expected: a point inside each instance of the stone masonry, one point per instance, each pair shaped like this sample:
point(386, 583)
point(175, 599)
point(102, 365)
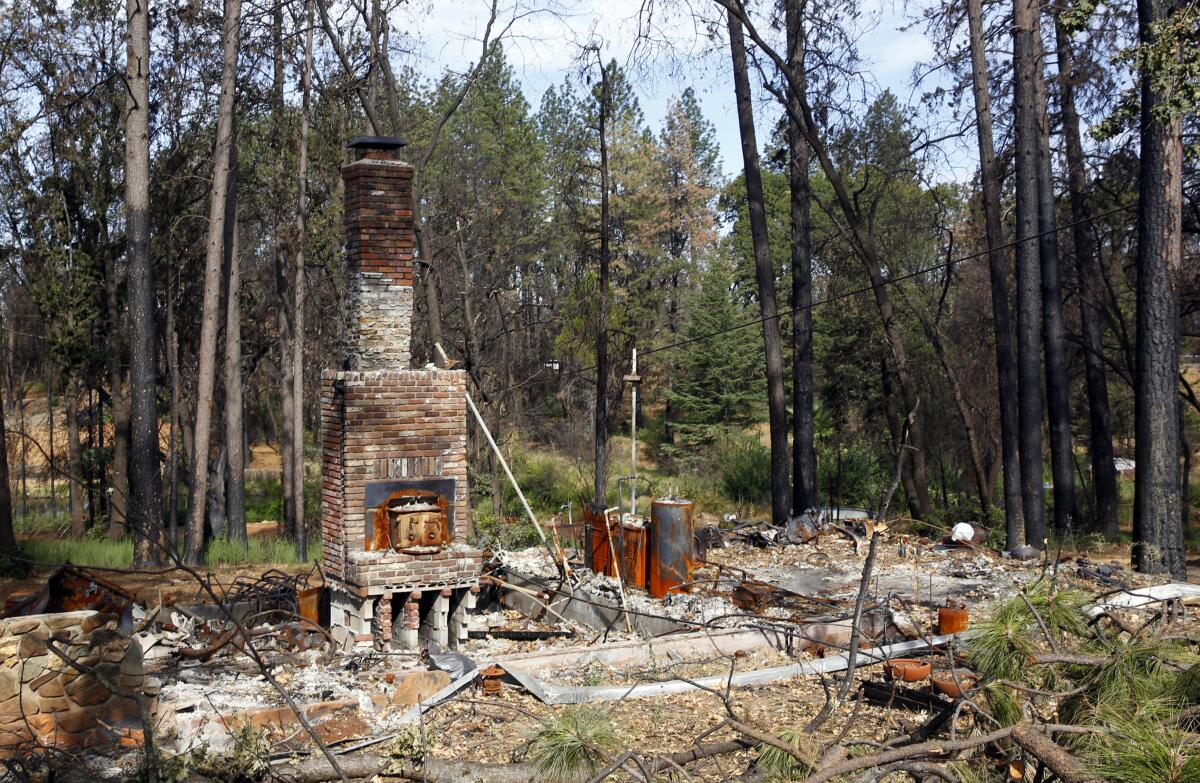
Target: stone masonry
point(47, 702)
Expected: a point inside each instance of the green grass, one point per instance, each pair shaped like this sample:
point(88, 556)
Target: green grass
point(779, 765)
point(98, 552)
point(274, 551)
point(106, 553)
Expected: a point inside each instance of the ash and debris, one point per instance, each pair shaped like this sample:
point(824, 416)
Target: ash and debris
point(827, 570)
point(807, 580)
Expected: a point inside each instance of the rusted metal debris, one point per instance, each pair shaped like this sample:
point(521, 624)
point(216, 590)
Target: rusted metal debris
point(752, 596)
point(412, 521)
point(671, 553)
point(523, 634)
point(490, 680)
point(72, 588)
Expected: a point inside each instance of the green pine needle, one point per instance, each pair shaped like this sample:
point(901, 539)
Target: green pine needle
point(578, 740)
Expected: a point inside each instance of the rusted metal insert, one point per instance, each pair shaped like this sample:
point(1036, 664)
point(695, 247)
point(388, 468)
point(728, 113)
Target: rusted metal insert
point(412, 521)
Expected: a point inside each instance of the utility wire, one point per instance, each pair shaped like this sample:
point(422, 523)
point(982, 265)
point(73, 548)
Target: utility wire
point(868, 288)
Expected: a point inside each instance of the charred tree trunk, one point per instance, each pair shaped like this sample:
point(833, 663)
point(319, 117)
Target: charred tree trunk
point(118, 400)
point(173, 446)
point(804, 458)
point(1157, 528)
point(145, 480)
point(287, 426)
point(50, 463)
point(1029, 287)
point(1006, 367)
point(600, 421)
point(1054, 334)
point(298, 292)
point(210, 309)
point(764, 274)
point(865, 248)
point(1091, 318)
point(235, 485)
point(8, 540)
point(74, 461)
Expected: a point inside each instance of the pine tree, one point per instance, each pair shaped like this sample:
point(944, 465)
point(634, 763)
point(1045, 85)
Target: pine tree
point(718, 378)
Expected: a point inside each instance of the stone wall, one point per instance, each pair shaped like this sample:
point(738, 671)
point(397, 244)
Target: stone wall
point(47, 701)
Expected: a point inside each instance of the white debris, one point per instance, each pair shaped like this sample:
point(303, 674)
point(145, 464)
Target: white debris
point(963, 533)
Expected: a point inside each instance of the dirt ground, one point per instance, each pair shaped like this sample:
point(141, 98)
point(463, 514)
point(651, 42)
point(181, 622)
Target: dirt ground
point(171, 586)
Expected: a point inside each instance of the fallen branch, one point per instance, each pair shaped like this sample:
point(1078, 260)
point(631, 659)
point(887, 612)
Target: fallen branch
point(318, 770)
point(1054, 756)
point(931, 748)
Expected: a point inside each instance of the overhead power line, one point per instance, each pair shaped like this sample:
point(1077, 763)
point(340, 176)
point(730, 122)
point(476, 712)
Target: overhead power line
point(866, 289)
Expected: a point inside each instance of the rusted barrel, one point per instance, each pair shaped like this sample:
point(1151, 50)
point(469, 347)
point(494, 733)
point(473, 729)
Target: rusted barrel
point(598, 546)
point(633, 555)
point(670, 546)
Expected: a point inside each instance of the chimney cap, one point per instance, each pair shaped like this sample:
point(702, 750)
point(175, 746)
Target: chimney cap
point(387, 143)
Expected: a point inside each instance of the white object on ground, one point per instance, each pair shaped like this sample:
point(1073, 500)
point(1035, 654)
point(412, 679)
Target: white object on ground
point(963, 533)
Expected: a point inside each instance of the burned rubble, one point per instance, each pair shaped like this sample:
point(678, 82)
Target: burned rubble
point(408, 653)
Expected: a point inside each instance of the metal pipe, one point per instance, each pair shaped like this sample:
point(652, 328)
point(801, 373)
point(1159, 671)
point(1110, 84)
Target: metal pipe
point(616, 564)
point(562, 566)
point(633, 439)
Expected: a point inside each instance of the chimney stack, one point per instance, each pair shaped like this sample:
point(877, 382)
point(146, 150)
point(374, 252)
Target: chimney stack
point(379, 253)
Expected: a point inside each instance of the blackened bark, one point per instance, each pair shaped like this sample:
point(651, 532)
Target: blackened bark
point(298, 292)
point(1029, 286)
point(8, 540)
point(600, 420)
point(804, 459)
point(1157, 528)
point(287, 427)
point(868, 252)
point(173, 444)
point(1054, 334)
point(74, 461)
point(145, 481)
point(118, 399)
point(235, 485)
point(765, 275)
point(51, 466)
point(1091, 318)
point(1006, 366)
point(210, 308)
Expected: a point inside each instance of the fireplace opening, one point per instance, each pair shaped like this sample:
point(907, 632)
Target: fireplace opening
point(412, 517)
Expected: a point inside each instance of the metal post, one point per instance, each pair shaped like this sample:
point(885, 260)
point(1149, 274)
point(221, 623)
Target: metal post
point(633, 379)
point(633, 442)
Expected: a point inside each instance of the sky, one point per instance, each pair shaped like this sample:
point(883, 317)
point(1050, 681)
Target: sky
point(544, 48)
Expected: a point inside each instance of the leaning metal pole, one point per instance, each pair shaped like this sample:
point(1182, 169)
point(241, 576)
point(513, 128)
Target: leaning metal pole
point(561, 564)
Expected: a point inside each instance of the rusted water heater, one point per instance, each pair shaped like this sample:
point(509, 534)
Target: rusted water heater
point(597, 531)
point(671, 553)
point(633, 553)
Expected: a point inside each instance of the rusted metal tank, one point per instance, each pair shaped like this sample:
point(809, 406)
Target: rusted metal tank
point(633, 555)
point(599, 549)
point(671, 553)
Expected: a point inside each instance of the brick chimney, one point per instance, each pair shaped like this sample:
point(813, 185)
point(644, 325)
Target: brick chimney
point(395, 502)
point(379, 255)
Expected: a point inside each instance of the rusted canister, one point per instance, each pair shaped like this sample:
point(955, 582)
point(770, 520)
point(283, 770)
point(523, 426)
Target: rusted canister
point(601, 554)
point(633, 555)
point(670, 546)
point(952, 620)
